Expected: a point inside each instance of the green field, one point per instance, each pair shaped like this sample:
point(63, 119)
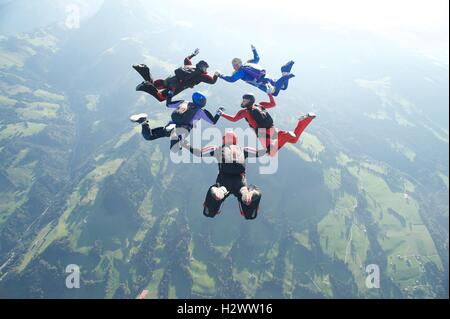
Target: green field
point(23, 129)
point(92, 102)
point(404, 150)
point(61, 229)
point(48, 95)
point(302, 154)
point(332, 178)
point(401, 237)
point(346, 241)
point(203, 283)
point(124, 138)
point(104, 170)
point(6, 101)
point(153, 285)
point(39, 110)
point(46, 41)
point(12, 90)
point(9, 59)
point(311, 145)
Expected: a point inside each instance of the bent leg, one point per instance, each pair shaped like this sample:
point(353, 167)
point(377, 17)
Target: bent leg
point(287, 137)
point(265, 136)
point(143, 71)
point(282, 84)
point(213, 202)
point(177, 134)
point(151, 89)
point(159, 84)
point(147, 132)
point(287, 67)
point(153, 134)
point(301, 126)
point(283, 138)
point(249, 201)
point(266, 85)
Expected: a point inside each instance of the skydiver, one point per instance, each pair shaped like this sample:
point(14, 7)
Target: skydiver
point(261, 122)
point(255, 75)
point(185, 77)
point(184, 117)
point(231, 179)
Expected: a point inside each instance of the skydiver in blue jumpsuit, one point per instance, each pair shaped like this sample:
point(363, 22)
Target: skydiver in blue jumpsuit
point(255, 75)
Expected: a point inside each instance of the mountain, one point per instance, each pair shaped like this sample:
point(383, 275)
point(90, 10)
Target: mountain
point(366, 184)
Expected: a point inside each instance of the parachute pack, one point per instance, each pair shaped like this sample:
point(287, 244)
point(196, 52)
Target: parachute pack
point(233, 160)
point(185, 73)
point(262, 117)
point(184, 113)
point(254, 70)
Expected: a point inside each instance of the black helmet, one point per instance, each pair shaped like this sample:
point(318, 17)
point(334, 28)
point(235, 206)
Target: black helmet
point(201, 64)
point(251, 99)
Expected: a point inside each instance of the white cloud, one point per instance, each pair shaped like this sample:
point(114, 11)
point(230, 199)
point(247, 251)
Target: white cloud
point(361, 14)
point(420, 25)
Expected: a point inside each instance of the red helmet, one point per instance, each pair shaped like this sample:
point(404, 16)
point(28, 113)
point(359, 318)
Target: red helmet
point(230, 138)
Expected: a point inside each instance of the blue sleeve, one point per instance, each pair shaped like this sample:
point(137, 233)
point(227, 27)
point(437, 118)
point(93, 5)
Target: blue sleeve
point(236, 76)
point(255, 57)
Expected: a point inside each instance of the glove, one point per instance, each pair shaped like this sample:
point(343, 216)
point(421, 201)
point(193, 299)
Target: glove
point(184, 143)
point(170, 93)
point(220, 111)
point(269, 89)
point(196, 52)
point(218, 74)
point(253, 47)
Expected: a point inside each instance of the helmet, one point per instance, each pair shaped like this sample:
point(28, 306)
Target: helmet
point(230, 138)
point(251, 100)
point(202, 65)
point(199, 99)
point(236, 61)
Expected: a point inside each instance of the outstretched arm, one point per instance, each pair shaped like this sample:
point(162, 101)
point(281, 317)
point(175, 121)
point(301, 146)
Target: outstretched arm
point(239, 116)
point(204, 115)
point(271, 103)
point(253, 152)
point(206, 78)
point(210, 118)
point(255, 56)
point(236, 76)
point(204, 152)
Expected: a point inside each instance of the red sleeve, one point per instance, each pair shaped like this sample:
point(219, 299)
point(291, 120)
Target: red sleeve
point(271, 103)
point(209, 150)
point(239, 116)
point(187, 61)
point(206, 78)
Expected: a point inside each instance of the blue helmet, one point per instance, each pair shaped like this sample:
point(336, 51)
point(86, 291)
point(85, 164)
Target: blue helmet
point(199, 99)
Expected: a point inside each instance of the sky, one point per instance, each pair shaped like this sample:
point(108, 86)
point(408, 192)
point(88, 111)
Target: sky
point(421, 25)
point(359, 14)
